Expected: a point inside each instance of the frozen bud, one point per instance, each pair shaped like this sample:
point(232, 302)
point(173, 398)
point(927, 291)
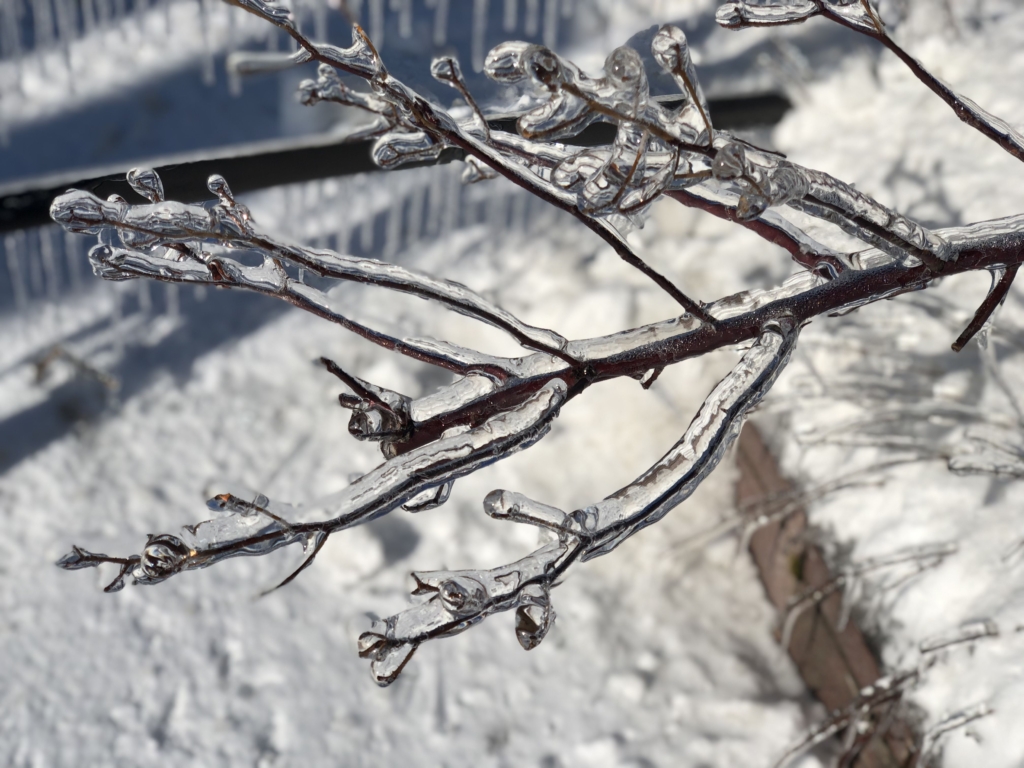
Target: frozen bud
point(506, 63)
point(462, 596)
point(544, 66)
point(163, 557)
point(83, 212)
point(750, 206)
point(369, 643)
point(402, 146)
point(670, 49)
point(389, 661)
point(146, 182)
point(476, 170)
point(445, 69)
point(625, 67)
point(730, 163)
point(219, 186)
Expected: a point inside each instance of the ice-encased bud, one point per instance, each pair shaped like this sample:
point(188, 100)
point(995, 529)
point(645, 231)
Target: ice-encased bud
point(277, 14)
point(476, 170)
point(574, 171)
point(389, 661)
point(361, 56)
point(561, 116)
point(462, 596)
point(84, 213)
point(730, 163)
point(534, 616)
point(218, 185)
point(146, 182)
point(163, 557)
point(671, 49)
point(104, 261)
point(446, 69)
point(504, 63)
point(751, 205)
point(398, 147)
point(625, 68)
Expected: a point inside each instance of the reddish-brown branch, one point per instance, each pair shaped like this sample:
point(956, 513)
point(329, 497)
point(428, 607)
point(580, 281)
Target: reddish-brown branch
point(814, 262)
point(988, 306)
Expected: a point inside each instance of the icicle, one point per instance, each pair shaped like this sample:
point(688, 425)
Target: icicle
point(49, 262)
point(392, 229)
point(441, 23)
point(104, 12)
point(377, 23)
point(29, 246)
point(510, 16)
point(414, 225)
point(429, 499)
point(531, 24)
point(550, 23)
point(320, 11)
point(43, 23)
point(71, 253)
point(173, 300)
point(404, 8)
point(366, 233)
point(10, 29)
point(209, 73)
point(12, 251)
point(479, 40)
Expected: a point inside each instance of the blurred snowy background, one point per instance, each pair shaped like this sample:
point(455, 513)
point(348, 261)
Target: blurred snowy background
point(124, 406)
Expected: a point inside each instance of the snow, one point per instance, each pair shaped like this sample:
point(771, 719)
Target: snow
point(662, 653)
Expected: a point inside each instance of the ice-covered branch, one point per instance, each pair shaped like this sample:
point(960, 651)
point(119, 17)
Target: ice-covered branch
point(460, 599)
point(862, 17)
point(259, 527)
point(420, 129)
point(163, 223)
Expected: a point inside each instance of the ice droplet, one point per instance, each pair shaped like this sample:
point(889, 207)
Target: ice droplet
point(389, 662)
point(463, 596)
point(146, 182)
point(429, 499)
point(163, 557)
point(534, 616)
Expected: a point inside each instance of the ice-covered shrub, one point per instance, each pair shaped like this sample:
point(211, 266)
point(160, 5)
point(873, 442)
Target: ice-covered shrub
point(499, 405)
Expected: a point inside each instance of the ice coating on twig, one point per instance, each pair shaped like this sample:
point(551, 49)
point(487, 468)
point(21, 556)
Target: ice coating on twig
point(168, 222)
point(850, 581)
point(883, 693)
point(737, 15)
point(463, 598)
point(964, 717)
point(678, 473)
point(975, 630)
point(257, 528)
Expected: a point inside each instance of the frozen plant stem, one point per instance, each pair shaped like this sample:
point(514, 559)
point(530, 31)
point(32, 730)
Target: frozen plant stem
point(499, 405)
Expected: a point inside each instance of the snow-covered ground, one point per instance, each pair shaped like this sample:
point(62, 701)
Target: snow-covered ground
point(663, 652)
